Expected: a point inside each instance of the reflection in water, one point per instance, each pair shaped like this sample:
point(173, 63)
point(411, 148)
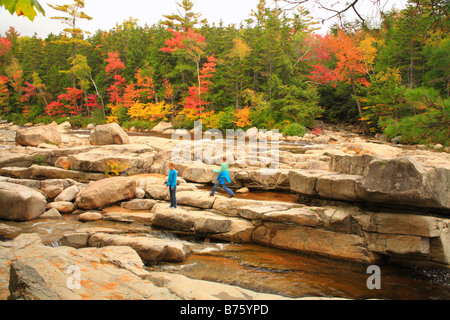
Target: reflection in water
point(285, 196)
point(281, 272)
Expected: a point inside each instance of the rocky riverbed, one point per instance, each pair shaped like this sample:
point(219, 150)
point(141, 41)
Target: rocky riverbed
point(358, 200)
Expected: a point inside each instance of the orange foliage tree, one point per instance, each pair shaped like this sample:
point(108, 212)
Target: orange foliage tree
point(195, 99)
point(351, 66)
point(4, 94)
point(242, 117)
point(190, 44)
point(66, 103)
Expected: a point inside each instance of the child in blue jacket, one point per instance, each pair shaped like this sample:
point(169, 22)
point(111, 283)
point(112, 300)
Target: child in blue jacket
point(172, 183)
point(222, 178)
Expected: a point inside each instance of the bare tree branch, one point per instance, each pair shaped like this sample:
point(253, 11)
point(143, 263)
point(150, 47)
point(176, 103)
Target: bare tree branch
point(336, 9)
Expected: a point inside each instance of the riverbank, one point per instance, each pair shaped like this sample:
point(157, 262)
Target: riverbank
point(340, 176)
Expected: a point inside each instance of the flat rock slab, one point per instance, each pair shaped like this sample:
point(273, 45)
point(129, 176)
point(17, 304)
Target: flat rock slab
point(151, 250)
point(40, 272)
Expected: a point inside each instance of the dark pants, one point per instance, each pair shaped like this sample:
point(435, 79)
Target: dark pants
point(173, 196)
point(224, 187)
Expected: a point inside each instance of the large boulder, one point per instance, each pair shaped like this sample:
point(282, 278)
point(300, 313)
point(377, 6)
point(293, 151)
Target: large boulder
point(38, 135)
point(403, 181)
point(301, 216)
point(162, 126)
point(106, 191)
point(195, 199)
point(374, 149)
point(351, 164)
point(68, 194)
point(408, 237)
point(337, 186)
point(110, 133)
point(259, 179)
point(199, 173)
point(314, 240)
point(192, 289)
point(39, 272)
point(304, 181)
point(170, 219)
point(203, 222)
point(19, 202)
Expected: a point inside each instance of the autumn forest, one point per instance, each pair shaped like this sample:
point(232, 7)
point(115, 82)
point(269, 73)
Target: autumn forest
point(272, 71)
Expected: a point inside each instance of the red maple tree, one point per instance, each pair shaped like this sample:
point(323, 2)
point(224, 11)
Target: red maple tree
point(189, 41)
point(113, 68)
point(91, 103)
point(190, 44)
point(5, 45)
point(349, 67)
point(145, 85)
point(195, 99)
point(66, 103)
point(114, 63)
point(4, 94)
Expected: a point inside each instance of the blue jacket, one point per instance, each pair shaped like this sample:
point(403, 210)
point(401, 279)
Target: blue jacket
point(172, 179)
point(224, 176)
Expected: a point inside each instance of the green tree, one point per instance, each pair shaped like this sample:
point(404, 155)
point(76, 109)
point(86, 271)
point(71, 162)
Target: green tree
point(236, 62)
point(72, 13)
point(438, 66)
point(185, 18)
point(405, 32)
point(82, 72)
point(384, 100)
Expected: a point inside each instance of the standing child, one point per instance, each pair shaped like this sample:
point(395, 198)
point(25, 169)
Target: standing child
point(172, 183)
point(222, 178)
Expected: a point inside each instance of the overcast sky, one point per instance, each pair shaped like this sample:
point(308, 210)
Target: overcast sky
point(106, 13)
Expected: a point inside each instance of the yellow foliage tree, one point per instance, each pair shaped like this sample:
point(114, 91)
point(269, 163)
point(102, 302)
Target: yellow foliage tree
point(210, 119)
point(242, 117)
point(190, 114)
point(114, 117)
point(368, 50)
point(149, 111)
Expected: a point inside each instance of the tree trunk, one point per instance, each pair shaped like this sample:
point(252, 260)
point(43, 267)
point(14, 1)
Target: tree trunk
point(98, 94)
point(237, 94)
point(198, 78)
point(358, 103)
